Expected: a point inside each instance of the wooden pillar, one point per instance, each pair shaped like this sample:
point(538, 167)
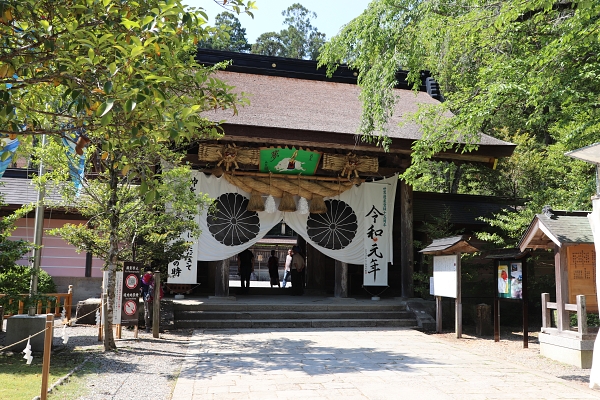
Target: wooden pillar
point(222, 279)
point(341, 279)
point(458, 301)
point(406, 238)
point(562, 289)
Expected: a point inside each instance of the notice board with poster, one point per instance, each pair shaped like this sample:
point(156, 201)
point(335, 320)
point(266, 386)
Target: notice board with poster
point(130, 293)
point(581, 271)
point(510, 279)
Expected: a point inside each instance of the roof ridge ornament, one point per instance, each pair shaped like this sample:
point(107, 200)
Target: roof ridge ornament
point(548, 211)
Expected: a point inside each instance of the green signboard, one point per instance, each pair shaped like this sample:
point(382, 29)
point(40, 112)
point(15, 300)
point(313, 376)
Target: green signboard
point(289, 161)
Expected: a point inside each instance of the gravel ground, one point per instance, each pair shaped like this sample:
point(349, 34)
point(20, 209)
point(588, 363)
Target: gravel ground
point(147, 368)
point(143, 368)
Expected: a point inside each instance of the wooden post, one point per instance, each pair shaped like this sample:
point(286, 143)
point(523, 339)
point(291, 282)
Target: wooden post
point(546, 317)
point(562, 289)
point(525, 302)
point(103, 312)
point(438, 314)
point(406, 239)
point(341, 279)
point(135, 331)
point(119, 330)
point(156, 306)
point(47, 350)
point(496, 319)
point(582, 327)
point(222, 279)
point(69, 303)
point(458, 307)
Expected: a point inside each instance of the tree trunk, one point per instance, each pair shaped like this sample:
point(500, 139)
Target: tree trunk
point(109, 339)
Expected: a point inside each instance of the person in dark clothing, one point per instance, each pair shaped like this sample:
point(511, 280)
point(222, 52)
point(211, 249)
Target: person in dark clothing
point(245, 268)
point(147, 290)
point(298, 272)
point(273, 265)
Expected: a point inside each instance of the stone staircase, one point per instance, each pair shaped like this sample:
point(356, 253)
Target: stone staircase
point(273, 313)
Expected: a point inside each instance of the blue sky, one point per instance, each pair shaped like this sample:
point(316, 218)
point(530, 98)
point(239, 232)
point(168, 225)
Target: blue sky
point(331, 14)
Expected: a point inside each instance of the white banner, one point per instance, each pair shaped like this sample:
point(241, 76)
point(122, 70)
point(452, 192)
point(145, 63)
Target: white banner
point(340, 233)
point(185, 270)
point(378, 213)
point(118, 304)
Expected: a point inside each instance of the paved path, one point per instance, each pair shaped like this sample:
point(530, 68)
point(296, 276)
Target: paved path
point(353, 363)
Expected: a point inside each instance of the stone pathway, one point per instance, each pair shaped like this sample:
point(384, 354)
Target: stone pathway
point(353, 363)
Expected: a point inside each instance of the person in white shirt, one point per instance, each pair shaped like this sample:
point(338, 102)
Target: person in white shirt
point(286, 273)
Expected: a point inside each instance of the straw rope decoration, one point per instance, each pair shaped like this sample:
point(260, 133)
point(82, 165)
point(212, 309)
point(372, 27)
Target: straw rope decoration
point(270, 202)
point(284, 189)
point(302, 203)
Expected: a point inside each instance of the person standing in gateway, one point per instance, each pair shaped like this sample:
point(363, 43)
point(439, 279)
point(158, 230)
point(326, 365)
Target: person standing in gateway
point(273, 265)
point(245, 268)
point(298, 265)
point(287, 274)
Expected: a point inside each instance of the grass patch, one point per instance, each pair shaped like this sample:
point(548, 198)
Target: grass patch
point(19, 381)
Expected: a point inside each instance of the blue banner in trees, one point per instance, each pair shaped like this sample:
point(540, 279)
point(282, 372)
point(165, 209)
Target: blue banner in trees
point(76, 161)
point(7, 152)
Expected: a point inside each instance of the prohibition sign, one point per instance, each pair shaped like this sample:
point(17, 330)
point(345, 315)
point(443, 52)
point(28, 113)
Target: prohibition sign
point(130, 307)
point(131, 281)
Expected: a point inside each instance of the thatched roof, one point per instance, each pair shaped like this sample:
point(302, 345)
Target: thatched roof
point(291, 105)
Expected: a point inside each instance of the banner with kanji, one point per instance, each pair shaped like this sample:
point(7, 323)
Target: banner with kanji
point(378, 215)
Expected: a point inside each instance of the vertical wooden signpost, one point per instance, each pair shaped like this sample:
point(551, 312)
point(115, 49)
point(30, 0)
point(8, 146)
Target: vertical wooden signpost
point(447, 275)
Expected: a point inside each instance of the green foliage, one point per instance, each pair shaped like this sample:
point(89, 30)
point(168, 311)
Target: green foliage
point(592, 320)
point(421, 284)
point(439, 227)
point(519, 71)
point(230, 36)
point(121, 74)
point(299, 40)
point(11, 250)
point(17, 279)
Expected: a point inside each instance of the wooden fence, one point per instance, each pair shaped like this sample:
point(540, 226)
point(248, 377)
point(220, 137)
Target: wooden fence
point(582, 331)
point(49, 306)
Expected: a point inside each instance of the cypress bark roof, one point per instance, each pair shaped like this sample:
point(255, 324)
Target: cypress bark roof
point(289, 101)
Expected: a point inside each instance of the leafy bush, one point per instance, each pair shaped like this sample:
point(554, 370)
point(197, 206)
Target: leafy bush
point(592, 320)
point(17, 279)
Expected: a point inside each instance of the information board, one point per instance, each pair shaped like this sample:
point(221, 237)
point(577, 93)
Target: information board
point(581, 269)
point(445, 276)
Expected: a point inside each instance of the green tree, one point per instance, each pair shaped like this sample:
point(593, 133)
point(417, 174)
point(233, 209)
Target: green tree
point(299, 40)
point(230, 36)
point(11, 250)
point(506, 69)
point(269, 44)
point(120, 75)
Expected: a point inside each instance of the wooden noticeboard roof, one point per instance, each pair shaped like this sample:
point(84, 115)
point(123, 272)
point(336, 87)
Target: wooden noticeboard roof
point(557, 228)
point(450, 245)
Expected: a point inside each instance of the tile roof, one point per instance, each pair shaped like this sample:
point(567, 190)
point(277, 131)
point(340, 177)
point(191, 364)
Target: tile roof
point(557, 228)
point(449, 245)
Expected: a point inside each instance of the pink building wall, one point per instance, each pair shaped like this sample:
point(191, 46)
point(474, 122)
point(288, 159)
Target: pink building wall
point(58, 257)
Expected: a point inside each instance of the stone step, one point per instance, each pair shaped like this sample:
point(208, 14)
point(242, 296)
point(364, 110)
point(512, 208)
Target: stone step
point(280, 314)
point(294, 323)
point(301, 307)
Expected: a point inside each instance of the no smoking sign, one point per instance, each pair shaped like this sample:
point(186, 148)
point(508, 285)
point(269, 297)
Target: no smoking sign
point(130, 307)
